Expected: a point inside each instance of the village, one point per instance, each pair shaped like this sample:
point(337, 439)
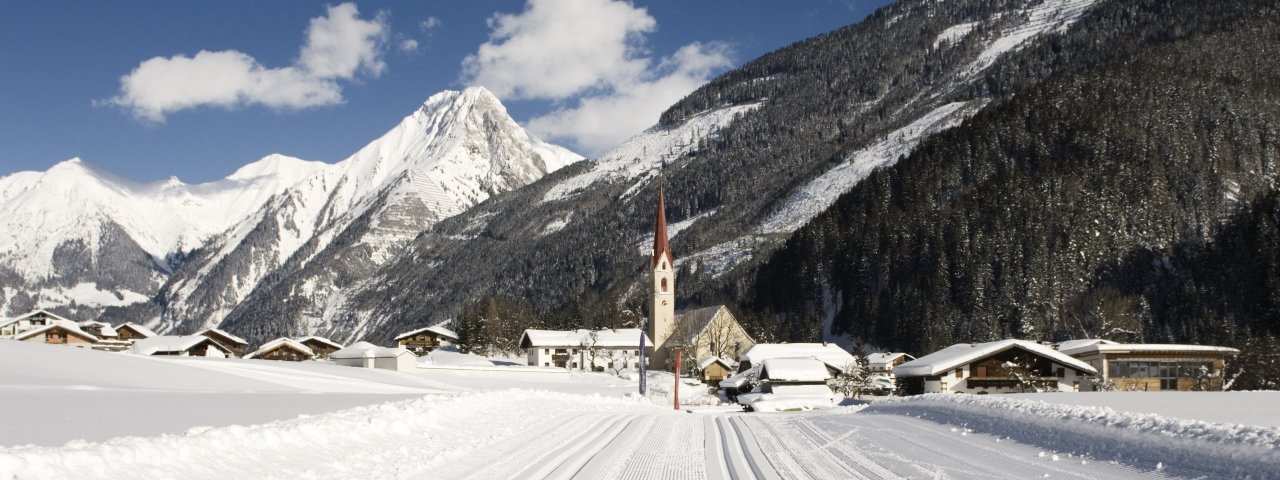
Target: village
point(711, 350)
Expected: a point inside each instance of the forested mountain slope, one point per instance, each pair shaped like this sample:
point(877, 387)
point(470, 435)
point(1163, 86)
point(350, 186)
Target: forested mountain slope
point(1130, 197)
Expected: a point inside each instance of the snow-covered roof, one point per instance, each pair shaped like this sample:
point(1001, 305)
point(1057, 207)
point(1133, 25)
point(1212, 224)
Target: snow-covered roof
point(438, 329)
point(41, 311)
point(794, 370)
point(67, 325)
point(829, 353)
point(1112, 347)
point(622, 337)
point(885, 358)
point(965, 353)
point(170, 343)
point(224, 334)
point(144, 331)
point(105, 330)
point(1074, 344)
point(280, 342)
point(316, 338)
point(364, 349)
point(707, 361)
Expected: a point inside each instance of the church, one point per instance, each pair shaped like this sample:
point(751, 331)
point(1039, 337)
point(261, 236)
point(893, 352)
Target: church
point(704, 333)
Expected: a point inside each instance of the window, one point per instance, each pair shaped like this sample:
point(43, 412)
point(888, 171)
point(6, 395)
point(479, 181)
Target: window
point(664, 285)
point(960, 372)
point(1062, 372)
point(982, 371)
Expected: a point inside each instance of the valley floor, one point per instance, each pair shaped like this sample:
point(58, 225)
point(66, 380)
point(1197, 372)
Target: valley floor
point(227, 419)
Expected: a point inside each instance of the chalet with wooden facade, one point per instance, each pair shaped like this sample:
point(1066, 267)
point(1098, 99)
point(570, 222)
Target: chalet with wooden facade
point(29, 321)
point(180, 346)
point(59, 333)
point(1150, 367)
point(1004, 366)
point(714, 369)
point(235, 344)
point(321, 346)
point(883, 363)
point(132, 332)
point(596, 350)
point(423, 340)
point(285, 349)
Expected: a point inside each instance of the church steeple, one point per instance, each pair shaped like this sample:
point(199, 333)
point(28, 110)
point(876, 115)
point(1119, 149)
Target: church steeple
point(661, 248)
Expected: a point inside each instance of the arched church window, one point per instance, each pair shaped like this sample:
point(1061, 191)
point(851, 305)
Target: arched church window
point(664, 285)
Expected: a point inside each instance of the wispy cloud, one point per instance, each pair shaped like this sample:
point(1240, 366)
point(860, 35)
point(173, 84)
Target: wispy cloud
point(339, 47)
point(590, 57)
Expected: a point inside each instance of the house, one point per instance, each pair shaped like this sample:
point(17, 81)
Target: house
point(368, 355)
point(423, 340)
point(713, 369)
point(321, 346)
point(884, 362)
point(709, 332)
point(835, 358)
point(1004, 366)
point(235, 344)
point(29, 321)
point(595, 350)
point(102, 330)
point(60, 332)
point(283, 349)
point(130, 332)
point(180, 346)
point(790, 384)
point(1140, 366)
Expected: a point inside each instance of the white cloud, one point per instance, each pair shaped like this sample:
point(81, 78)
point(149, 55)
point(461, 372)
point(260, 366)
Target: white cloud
point(600, 122)
point(339, 46)
point(408, 45)
point(429, 24)
point(589, 54)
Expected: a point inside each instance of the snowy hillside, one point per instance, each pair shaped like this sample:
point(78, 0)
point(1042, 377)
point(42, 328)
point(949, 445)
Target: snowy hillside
point(455, 151)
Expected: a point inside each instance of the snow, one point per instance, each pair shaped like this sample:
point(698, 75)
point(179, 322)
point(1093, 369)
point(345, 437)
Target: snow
point(821, 192)
point(368, 350)
point(1050, 15)
point(438, 329)
point(1244, 408)
point(622, 337)
point(291, 343)
point(203, 418)
point(314, 338)
point(963, 353)
point(705, 362)
point(829, 353)
point(1112, 347)
point(884, 359)
point(1183, 447)
point(88, 295)
point(68, 325)
point(167, 343)
point(794, 370)
point(954, 34)
point(641, 156)
point(225, 334)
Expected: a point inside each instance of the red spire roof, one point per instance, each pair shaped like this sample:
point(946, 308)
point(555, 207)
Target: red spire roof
point(660, 246)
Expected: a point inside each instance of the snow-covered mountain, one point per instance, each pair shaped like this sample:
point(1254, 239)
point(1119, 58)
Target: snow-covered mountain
point(334, 227)
point(79, 235)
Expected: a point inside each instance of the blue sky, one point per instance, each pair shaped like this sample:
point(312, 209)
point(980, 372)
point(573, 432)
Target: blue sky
point(125, 85)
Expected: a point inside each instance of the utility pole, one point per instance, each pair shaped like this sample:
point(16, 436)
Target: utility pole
point(679, 353)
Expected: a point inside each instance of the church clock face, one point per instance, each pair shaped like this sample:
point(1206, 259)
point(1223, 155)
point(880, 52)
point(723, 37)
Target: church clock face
point(664, 303)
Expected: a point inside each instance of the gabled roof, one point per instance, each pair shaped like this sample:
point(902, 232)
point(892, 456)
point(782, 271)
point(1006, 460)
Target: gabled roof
point(281, 342)
point(40, 311)
point(315, 338)
point(699, 320)
point(438, 329)
point(105, 330)
point(368, 350)
point(1113, 347)
point(705, 362)
point(224, 335)
point(144, 331)
point(65, 325)
point(622, 337)
point(886, 358)
point(794, 370)
point(1074, 344)
point(172, 343)
point(965, 353)
point(830, 353)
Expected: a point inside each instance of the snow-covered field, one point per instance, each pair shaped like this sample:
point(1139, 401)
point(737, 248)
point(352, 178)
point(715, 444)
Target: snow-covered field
point(456, 417)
